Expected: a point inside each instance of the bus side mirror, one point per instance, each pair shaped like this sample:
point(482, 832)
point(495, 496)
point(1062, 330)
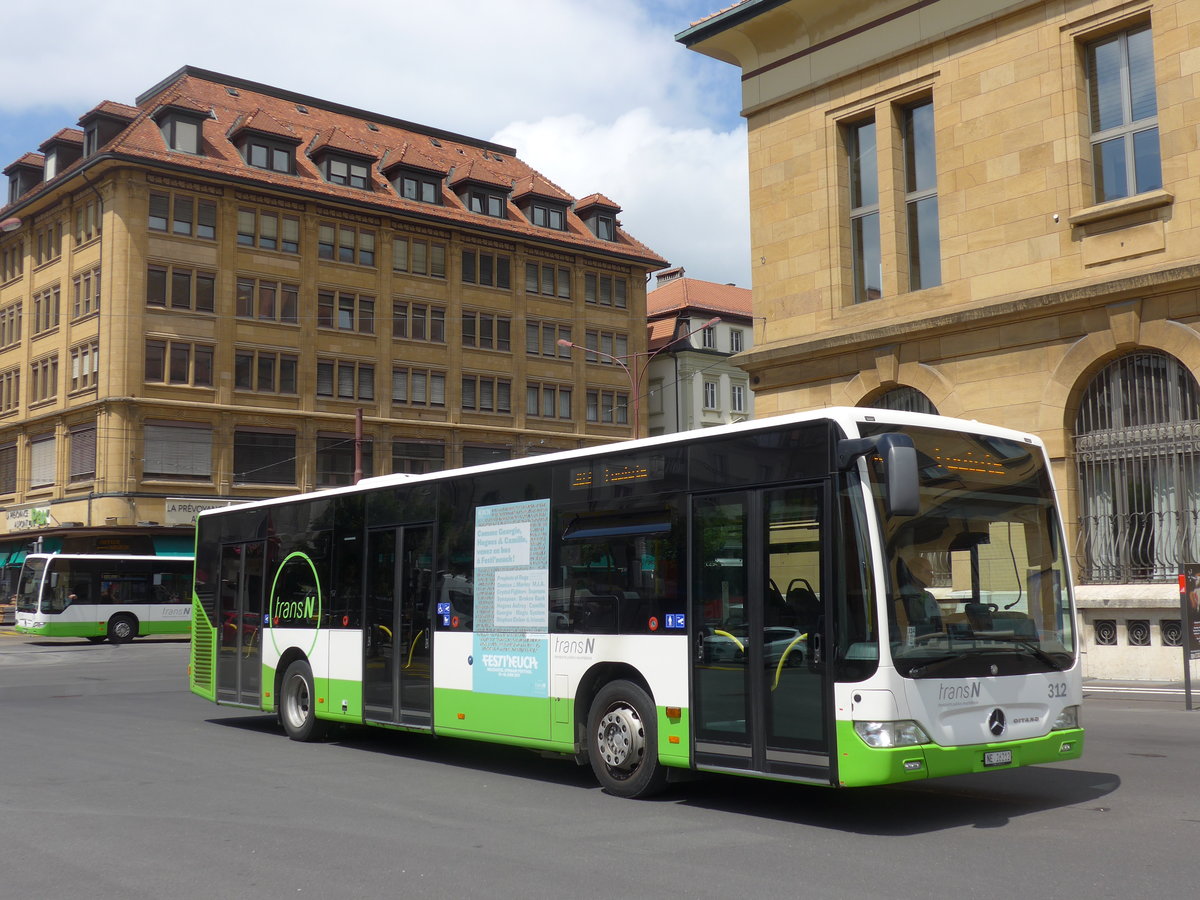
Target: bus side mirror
point(901, 484)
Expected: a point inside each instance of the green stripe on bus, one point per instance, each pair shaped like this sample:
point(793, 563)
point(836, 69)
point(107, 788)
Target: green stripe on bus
point(860, 765)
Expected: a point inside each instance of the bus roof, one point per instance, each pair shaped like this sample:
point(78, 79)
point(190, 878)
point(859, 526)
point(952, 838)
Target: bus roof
point(848, 417)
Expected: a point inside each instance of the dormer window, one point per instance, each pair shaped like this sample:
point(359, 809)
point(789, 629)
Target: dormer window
point(181, 129)
point(343, 170)
point(61, 151)
point(24, 175)
point(600, 215)
point(104, 123)
point(606, 228)
point(265, 153)
point(546, 215)
point(419, 186)
point(486, 203)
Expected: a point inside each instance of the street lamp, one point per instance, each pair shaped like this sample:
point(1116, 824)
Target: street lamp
point(633, 371)
point(10, 224)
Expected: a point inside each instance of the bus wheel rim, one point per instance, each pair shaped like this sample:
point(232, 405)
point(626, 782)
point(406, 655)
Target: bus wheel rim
point(620, 738)
point(296, 703)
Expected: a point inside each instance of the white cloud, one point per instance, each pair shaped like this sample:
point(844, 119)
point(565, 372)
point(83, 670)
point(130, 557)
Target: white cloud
point(596, 96)
point(684, 191)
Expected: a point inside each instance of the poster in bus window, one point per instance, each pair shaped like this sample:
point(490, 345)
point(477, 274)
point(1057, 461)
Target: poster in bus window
point(1189, 603)
point(512, 599)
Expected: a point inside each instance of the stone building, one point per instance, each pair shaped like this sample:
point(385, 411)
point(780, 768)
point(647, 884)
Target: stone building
point(691, 382)
point(201, 291)
point(986, 209)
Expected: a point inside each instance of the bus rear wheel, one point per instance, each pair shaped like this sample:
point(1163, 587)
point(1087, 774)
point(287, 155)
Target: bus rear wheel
point(122, 628)
point(297, 710)
point(623, 741)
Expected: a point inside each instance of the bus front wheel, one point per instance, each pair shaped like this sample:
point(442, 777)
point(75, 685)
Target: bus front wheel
point(297, 711)
point(623, 741)
point(122, 628)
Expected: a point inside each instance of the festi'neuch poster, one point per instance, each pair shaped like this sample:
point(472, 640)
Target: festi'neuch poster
point(512, 599)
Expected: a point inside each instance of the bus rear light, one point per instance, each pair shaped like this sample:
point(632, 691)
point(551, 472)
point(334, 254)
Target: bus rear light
point(1068, 718)
point(905, 733)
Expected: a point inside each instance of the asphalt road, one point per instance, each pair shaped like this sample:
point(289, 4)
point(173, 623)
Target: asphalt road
point(118, 783)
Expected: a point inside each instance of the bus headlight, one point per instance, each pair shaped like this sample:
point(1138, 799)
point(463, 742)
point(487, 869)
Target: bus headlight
point(905, 733)
point(1068, 718)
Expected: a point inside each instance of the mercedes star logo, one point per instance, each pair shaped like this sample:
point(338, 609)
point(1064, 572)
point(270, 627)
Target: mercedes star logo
point(996, 723)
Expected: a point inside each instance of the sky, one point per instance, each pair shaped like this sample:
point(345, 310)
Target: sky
point(597, 96)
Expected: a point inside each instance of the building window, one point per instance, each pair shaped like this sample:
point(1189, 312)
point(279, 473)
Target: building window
point(1138, 631)
point(82, 460)
point(268, 230)
point(865, 258)
point(543, 278)
point(43, 379)
point(45, 310)
point(413, 321)
point(708, 339)
point(85, 365)
point(86, 294)
point(345, 379)
point(10, 325)
point(710, 395)
point(547, 401)
point(920, 185)
point(541, 339)
point(606, 228)
point(904, 399)
point(1137, 458)
point(1106, 632)
point(12, 261)
point(605, 290)
point(346, 244)
point(490, 269)
point(407, 456)
point(486, 331)
point(737, 340)
point(610, 344)
point(335, 460)
point(608, 407)
point(49, 243)
point(418, 387)
point(346, 312)
point(274, 156)
point(180, 452)
point(1124, 115)
point(485, 393)
point(181, 132)
point(87, 221)
point(267, 301)
point(265, 371)
point(482, 456)
point(487, 203)
point(179, 362)
point(419, 187)
point(545, 216)
point(355, 173)
point(8, 469)
point(180, 288)
point(418, 257)
point(183, 215)
point(10, 390)
point(264, 457)
point(737, 398)
point(1171, 631)
point(43, 461)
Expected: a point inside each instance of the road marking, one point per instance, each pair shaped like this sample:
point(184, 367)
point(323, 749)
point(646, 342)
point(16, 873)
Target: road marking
point(1167, 692)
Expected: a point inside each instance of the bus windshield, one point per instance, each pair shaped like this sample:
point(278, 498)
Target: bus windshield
point(977, 584)
point(30, 584)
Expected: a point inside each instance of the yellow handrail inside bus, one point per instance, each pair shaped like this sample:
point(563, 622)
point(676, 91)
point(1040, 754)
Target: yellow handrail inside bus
point(413, 649)
point(783, 657)
point(740, 645)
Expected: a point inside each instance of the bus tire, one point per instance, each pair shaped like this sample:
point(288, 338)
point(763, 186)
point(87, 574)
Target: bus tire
point(122, 628)
point(623, 741)
point(297, 704)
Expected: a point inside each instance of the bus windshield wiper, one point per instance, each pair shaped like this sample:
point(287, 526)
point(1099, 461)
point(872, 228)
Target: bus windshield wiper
point(1041, 654)
point(933, 665)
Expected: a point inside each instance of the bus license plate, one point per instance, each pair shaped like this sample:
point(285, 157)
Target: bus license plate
point(997, 758)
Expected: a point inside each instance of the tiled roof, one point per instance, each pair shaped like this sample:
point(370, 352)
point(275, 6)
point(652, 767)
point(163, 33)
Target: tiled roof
point(440, 151)
point(34, 160)
point(596, 200)
point(263, 122)
point(336, 139)
point(409, 155)
point(64, 136)
point(535, 184)
point(113, 110)
point(691, 293)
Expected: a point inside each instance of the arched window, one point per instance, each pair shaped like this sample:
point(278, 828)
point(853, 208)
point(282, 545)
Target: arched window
point(904, 399)
point(1137, 457)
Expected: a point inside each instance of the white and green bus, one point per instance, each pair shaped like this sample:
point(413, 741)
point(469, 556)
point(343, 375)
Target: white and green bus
point(742, 599)
point(104, 596)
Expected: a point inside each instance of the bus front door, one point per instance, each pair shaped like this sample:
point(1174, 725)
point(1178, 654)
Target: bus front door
point(397, 632)
point(759, 687)
point(240, 622)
